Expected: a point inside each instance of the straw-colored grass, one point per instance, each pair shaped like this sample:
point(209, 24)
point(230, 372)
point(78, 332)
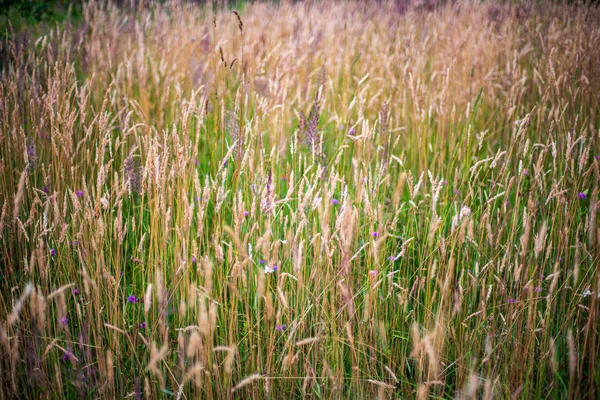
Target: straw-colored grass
point(330, 199)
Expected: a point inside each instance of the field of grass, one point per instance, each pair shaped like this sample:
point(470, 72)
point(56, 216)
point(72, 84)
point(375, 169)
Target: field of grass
point(302, 200)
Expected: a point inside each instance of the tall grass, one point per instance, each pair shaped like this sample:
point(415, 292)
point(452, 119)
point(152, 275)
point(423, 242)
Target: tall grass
point(335, 200)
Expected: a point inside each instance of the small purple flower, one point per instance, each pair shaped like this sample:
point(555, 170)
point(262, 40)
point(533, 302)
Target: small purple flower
point(512, 301)
point(66, 356)
point(280, 328)
point(64, 321)
point(373, 273)
point(46, 189)
point(275, 267)
point(352, 132)
point(75, 243)
point(194, 261)
point(525, 172)
point(225, 163)
point(375, 234)
point(581, 196)
point(246, 213)
point(507, 204)
point(79, 193)
point(445, 183)
point(335, 202)
point(196, 162)
point(52, 252)
point(143, 325)
point(391, 258)
point(537, 289)
point(262, 262)
point(132, 299)
point(75, 291)
point(597, 158)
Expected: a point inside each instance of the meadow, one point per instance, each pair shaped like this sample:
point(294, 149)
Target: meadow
point(318, 200)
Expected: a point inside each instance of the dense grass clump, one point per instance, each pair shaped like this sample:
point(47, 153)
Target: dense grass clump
point(326, 200)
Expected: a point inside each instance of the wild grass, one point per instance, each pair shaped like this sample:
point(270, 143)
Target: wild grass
point(326, 200)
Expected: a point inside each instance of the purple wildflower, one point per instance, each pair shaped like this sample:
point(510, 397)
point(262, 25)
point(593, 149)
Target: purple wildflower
point(246, 213)
point(66, 356)
point(262, 262)
point(143, 325)
point(375, 234)
point(352, 132)
point(392, 258)
point(525, 172)
point(373, 273)
point(52, 252)
point(445, 183)
point(335, 202)
point(537, 289)
point(64, 321)
point(275, 267)
point(75, 291)
point(196, 161)
point(581, 196)
point(280, 328)
point(46, 189)
point(79, 193)
point(132, 299)
point(512, 301)
point(194, 260)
